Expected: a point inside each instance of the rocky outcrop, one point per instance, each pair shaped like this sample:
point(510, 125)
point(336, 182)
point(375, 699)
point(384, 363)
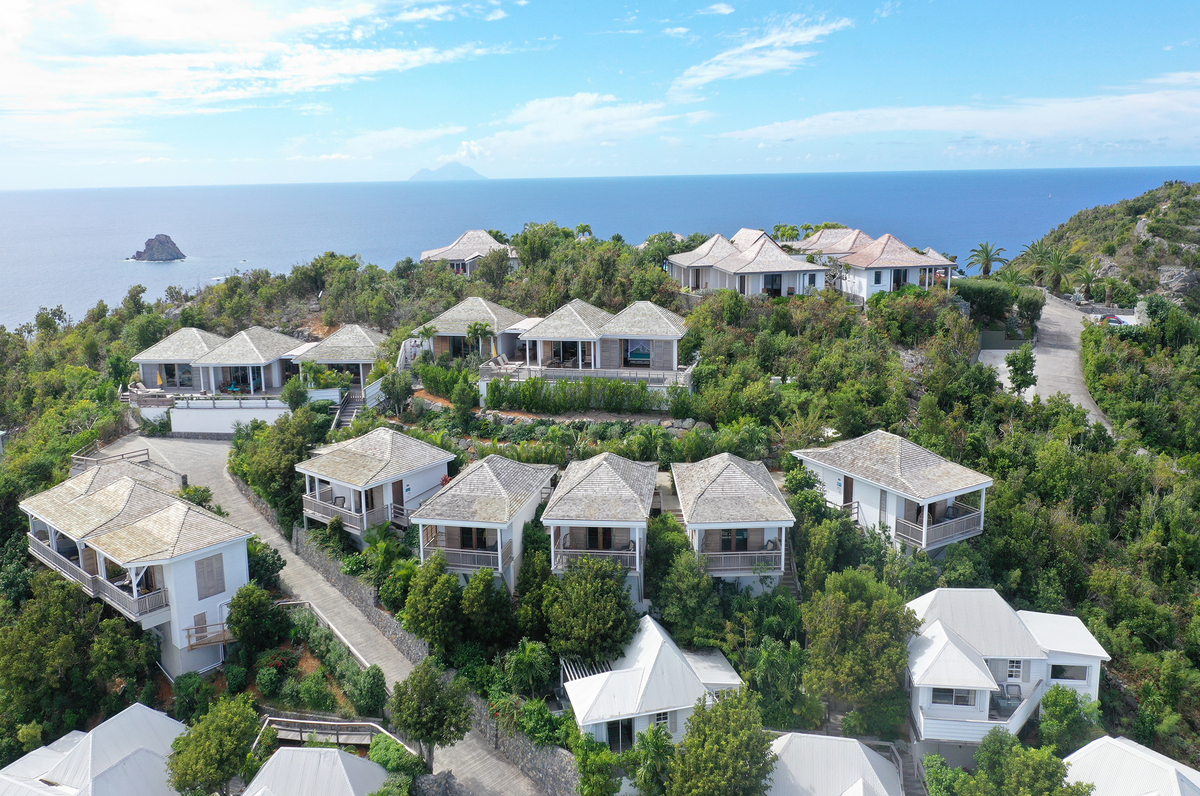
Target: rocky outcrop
point(159, 249)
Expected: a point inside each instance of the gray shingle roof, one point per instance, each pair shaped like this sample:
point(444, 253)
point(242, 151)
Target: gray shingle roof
point(899, 465)
point(575, 320)
point(936, 256)
point(745, 237)
point(185, 345)
point(456, 320)
point(253, 346)
point(727, 488)
point(351, 343)
point(886, 252)
point(469, 245)
point(836, 241)
point(299, 771)
point(764, 256)
point(177, 530)
point(645, 319)
point(605, 487)
point(492, 489)
point(379, 456)
point(711, 251)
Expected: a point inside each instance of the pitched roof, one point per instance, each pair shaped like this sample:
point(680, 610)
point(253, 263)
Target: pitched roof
point(824, 765)
point(727, 488)
point(575, 320)
point(604, 487)
point(493, 489)
point(456, 320)
point(939, 657)
point(1062, 633)
point(937, 258)
point(650, 677)
point(176, 530)
point(896, 464)
point(98, 477)
point(123, 755)
point(351, 343)
point(980, 618)
point(764, 256)
point(839, 240)
point(471, 244)
point(745, 237)
point(645, 319)
point(711, 251)
point(302, 771)
point(81, 514)
point(378, 456)
point(253, 346)
point(1121, 767)
point(886, 252)
point(185, 345)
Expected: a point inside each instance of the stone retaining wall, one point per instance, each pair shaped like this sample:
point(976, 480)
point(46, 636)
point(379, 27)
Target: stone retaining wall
point(200, 435)
point(551, 768)
point(1091, 309)
point(259, 504)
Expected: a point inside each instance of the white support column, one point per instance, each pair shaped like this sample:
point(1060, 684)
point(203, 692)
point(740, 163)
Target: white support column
point(133, 581)
point(924, 526)
point(982, 501)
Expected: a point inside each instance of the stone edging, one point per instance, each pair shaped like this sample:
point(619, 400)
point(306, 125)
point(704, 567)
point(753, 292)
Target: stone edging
point(259, 504)
point(1091, 309)
point(221, 435)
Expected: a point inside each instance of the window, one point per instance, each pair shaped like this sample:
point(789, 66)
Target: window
point(661, 718)
point(1014, 670)
point(620, 735)
point(457, 347)
point(962, 697)
point(210, 576)
point(635, 353)
point(474, 538)
point(773, 284)
point(879, 277)
point(565, 350)
point(812, 280)
point(735, 540)
point(599, 538)
point(1059, 672)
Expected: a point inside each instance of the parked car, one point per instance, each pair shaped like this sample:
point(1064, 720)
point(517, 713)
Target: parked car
point(1112, 320)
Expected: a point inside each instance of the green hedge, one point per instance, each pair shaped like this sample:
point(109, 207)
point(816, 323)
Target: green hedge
point(441, 381)
point(990, 300)
point(552, 396)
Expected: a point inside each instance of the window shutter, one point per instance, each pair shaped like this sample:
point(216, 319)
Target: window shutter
point(200, 622)
point(1024, 671)
point(673, 721)
point(210, 576)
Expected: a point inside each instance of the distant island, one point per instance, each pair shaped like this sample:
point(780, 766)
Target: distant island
point(159, 249)
point(451, 171)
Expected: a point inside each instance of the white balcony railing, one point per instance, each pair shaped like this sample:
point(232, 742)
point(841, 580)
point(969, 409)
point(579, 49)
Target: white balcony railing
point(972, 730)
point(766, 560)
point(626, 558)
point(969, 522)
point(654, 378)
point(359, 521)
point(460, 560)
point(95, 586)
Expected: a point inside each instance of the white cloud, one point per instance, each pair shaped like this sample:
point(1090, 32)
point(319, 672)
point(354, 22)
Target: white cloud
point(499, 13)
point(435, 13)
point(717, 8)
point(331, 156)
point(578, 120)
point(888, 8)
point(376, 141)
point(1167, 117)
point(678, 32)
point(1176, 79)
point(769, 51)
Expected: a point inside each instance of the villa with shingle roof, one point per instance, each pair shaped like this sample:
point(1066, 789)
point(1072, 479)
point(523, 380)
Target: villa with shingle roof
point(888, 264)
point(653, 682)
point(975, 664)
point(735, 516)
point(120, 532)
point(470, 247)
point(600, 508)
point(885, 480)
point(835, 242)
point(380, 477)
point(751, 262)
point(478, 519)
point(168, 363)
point(567, 336)
point(256, 358)
point(451, 327)
point(125, 754)
point(353, 348)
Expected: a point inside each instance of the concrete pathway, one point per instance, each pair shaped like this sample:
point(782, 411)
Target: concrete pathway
point(474, 763)
point(1059, 366)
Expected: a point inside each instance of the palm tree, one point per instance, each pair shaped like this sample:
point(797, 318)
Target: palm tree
point(654, 752)
point(1088, 279)
point(785, 232)
point(426, 334)
point(583, 231)
point(479, 330)
point(1058, 269)
point(1033, 257)
point(985, 255)
point(1013, 276)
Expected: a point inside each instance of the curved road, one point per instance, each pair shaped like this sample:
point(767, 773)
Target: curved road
point(474, 762)
point(1059, 366)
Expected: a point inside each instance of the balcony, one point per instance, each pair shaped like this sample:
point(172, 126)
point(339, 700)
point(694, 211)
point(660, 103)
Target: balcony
point(626, 558)
point(942, 725)
point(465, 560)
point(492, 370)
point(966, 522)
point(206, 635)
point(134, 608)
point(748, 563)
point(323, 508)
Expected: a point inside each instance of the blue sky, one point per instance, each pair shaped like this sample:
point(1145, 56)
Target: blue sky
point(181, 92)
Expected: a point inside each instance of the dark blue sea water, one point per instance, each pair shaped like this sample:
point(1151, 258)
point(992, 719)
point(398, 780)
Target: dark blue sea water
point(69, 247)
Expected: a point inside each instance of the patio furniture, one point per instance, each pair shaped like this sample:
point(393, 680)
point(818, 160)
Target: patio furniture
point(340, 501)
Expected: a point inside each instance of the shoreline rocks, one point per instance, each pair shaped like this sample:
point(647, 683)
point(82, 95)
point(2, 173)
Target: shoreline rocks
point(160, 249)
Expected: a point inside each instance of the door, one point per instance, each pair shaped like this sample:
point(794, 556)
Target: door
point(200, 623)
point(847, 490)
point(695, 279)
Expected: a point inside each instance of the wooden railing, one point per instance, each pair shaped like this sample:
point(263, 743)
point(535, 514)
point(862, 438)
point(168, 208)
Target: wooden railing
point(469, 560)
point(491, 370)
point(769, 560)
point(353, 520)
point(96, 586)
point(850, 508)
point(967, 524)
point(205, 635)
point(88, 457)
point(626, 558)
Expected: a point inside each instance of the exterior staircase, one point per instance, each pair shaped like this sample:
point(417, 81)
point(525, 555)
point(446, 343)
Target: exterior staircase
point(791, 578)
point(350, 407)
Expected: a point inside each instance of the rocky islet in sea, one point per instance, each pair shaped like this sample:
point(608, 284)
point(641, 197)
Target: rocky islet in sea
point(160, 248)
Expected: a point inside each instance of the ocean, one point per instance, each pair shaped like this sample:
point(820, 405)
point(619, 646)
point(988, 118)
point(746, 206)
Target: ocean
point(69, 247)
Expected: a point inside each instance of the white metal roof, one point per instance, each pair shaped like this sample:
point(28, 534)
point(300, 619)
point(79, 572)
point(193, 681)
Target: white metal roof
point(939, 658)
point(302, 771)
point(1121, 767)
point(982, 619)
point(652, 676)
point(713, 669)
point(1062, 633)
point(825, 765)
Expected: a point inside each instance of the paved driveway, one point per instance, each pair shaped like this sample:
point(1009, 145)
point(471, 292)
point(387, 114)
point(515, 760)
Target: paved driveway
point(1058, 367)
point(474, 763)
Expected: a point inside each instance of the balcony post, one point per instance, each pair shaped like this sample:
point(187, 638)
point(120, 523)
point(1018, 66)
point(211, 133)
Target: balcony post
point(925, 526)
point(982, 492)
point(133, 583)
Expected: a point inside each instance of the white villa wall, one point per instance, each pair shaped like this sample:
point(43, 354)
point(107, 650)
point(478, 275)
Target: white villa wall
point(179, 576)
point(177, 660)
point(1090, 687)
point(153, 412)
point(417, 485)
point(517, 531)
point(201, 418)
point(599, 731)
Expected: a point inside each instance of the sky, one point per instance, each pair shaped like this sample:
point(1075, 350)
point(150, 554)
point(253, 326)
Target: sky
point(100, 93)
